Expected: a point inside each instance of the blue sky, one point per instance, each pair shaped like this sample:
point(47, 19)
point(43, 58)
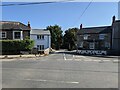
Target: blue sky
point(65, 14)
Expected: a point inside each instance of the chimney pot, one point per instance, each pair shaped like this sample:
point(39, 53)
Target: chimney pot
point(29, 24)
point(113, 19)
point(81, 26)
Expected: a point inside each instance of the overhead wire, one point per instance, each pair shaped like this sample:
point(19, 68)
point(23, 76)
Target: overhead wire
point(33, 3)
point(83, 12)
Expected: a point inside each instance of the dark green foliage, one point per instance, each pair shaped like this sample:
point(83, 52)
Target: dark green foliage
point(56, 36)
point(15, 46)
point(69, 41)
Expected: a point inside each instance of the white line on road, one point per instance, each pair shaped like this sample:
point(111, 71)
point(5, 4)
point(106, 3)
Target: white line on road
point(88, 60)
point(64, 56)
point(96, 60)
point(80, 57)
point(42, 80)
point(73, 57)
point(69, 59)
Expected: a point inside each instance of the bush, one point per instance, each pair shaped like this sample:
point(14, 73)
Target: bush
point(15, 46)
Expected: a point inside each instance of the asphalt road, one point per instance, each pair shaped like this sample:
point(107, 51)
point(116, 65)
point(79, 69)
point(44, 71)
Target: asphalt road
point(61, 70)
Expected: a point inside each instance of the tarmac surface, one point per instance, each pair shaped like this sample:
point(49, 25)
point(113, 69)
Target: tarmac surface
point(62, 69)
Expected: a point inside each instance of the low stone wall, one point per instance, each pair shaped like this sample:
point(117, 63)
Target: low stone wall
point(92, 52)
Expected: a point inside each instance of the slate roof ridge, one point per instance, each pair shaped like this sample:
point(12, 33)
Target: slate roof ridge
point(41, 29)
point(117, 21)
point(13, 24)
point(11, 21)
point(96, 27)
point(101, 29)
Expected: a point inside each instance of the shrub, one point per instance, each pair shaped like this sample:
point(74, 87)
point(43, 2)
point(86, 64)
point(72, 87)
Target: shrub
point(15, 46)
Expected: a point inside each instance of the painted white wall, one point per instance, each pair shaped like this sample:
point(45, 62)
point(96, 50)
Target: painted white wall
point(92, 52)
point(46, 41)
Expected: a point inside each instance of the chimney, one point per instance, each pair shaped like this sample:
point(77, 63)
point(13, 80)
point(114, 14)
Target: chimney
point(113, 19)
point(29, 24)
point(81, 26)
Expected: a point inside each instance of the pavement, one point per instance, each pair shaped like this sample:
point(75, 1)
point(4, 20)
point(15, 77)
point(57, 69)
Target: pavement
point(23, 56)
point(54, 51)
point(61, 69)
point(19, 56)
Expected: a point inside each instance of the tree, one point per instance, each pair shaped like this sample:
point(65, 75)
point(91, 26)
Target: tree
point(56, 36)
point(70, 38)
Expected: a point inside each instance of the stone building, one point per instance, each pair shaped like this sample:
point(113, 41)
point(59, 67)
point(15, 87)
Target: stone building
point(94, 40)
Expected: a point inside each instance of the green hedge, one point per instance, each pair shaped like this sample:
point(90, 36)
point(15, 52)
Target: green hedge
point(15, 46)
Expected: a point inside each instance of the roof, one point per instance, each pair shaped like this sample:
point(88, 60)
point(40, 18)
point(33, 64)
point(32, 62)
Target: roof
point(117, 21)
point(13, 25)
point(40, 31)
point(95, 30)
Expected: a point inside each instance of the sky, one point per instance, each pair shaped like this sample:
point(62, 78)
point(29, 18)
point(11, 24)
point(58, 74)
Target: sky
point(67, 14)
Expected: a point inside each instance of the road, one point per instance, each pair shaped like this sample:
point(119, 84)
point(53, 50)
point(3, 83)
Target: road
point(61, 70)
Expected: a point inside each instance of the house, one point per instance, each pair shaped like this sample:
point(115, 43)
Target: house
point(116, 37)
point(99, 40)
point(42, 40)
point(14, 30)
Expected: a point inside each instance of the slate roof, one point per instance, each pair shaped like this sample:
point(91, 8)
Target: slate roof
point(40, 31)
point(13, 25)
point(117, 21)
point(95, 30)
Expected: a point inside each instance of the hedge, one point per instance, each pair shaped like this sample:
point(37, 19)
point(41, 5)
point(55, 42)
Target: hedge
point(15, 46)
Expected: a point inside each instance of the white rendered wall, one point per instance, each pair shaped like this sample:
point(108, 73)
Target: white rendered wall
point(46, 41)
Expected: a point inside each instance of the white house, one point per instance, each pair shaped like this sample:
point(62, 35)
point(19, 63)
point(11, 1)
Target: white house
point(42, 40)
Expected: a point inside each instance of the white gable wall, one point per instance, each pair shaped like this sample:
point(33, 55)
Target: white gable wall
point(46, 41)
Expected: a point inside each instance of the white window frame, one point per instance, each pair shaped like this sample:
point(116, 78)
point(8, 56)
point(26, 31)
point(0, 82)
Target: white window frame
point(2, 33)
point(81, 44)
point(40, 37)
point(107, 44)
point(102, 36)
point(41, 47)
point(91, 45)
point(85, 37)
point(14, 35)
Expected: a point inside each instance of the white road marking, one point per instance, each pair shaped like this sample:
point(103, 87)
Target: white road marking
point(69, 59)
point(42, 80)
point(88, 60)
point(96, 60)
point(80, 56)
point(106, 60)
point(73, 57)
point(8, 59)
point(79, 60)
point(116, 61)
point(64, 56)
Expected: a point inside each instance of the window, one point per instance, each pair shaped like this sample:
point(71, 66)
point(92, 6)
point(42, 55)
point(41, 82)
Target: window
point(3, 34)
point(17, 35)
point(101, 36)
point(107, 45)
point(40, 47)
point(91, 45)
point(81, 44)
point(40, 36)
point(86, 36)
